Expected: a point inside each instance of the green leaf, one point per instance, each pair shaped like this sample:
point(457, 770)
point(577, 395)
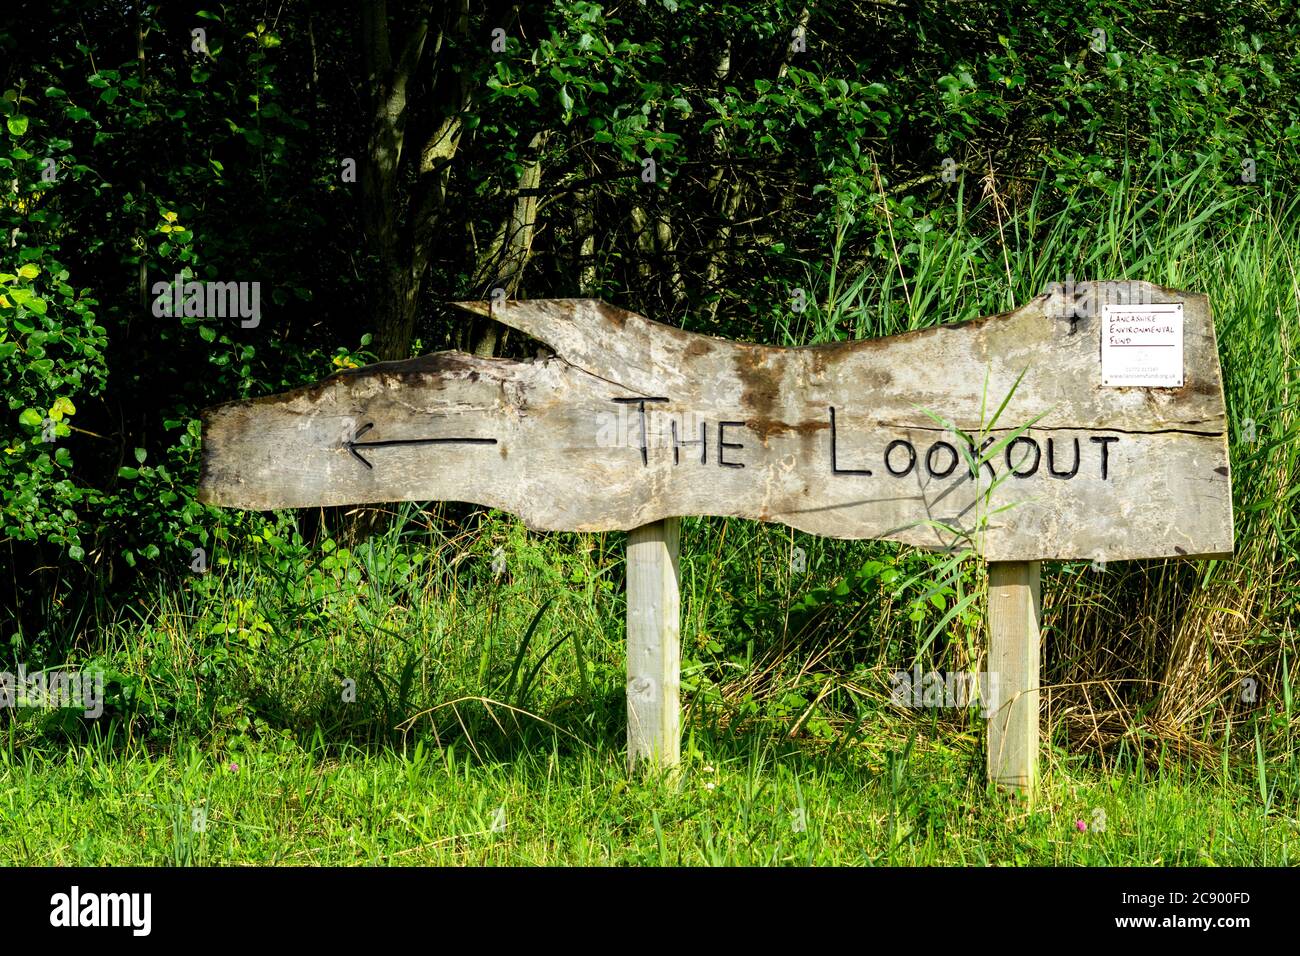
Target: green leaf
point(140, 455)
point(31, 417)
point(127, 473)
point(17, 125)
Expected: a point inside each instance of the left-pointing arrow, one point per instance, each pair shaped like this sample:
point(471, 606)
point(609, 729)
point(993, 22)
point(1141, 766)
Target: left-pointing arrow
point(352, 444)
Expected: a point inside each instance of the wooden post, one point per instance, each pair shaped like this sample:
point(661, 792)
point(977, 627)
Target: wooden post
point(1015, 608)
point(653, 644)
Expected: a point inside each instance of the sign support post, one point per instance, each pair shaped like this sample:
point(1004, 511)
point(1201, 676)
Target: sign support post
point(1014, 613)
point(654, 644)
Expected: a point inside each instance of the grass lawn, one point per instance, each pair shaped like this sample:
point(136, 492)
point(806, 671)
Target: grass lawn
point(737, 801)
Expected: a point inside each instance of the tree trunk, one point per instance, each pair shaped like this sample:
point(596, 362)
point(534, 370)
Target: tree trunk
point(503, 266)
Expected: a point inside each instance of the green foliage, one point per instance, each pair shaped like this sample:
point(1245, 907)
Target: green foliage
point(52, 348)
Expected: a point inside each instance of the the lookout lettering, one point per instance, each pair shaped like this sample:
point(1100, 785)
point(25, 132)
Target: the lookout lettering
point(653, 432)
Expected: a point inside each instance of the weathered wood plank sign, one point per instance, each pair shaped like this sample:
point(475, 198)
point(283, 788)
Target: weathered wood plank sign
point(998, 433)
point(632, 421)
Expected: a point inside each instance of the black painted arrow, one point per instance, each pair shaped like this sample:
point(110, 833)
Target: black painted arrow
point(352, 444)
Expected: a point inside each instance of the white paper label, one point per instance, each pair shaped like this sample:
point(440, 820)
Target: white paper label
point(1142, 345)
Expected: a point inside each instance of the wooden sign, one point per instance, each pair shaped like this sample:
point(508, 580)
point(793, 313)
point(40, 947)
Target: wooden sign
point(998, 433)
point(631, 421)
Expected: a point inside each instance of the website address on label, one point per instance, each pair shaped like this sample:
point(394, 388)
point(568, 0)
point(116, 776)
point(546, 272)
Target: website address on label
point(1203, 923)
